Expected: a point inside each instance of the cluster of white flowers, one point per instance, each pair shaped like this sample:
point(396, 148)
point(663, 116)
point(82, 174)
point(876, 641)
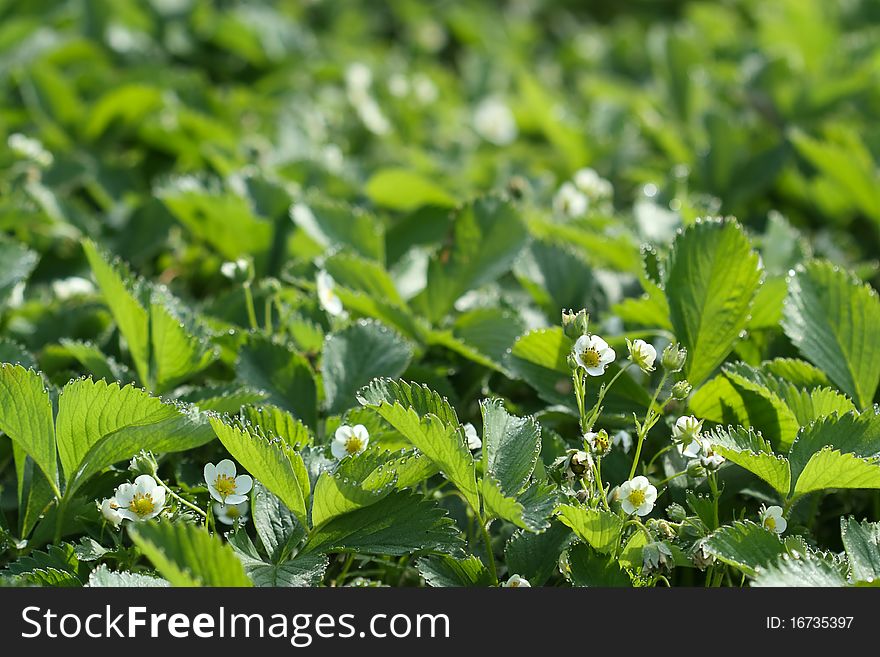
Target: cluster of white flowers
point(692, 444)
point(349, 441)
point(494, 121)
point(358, 86)
point(586, 189)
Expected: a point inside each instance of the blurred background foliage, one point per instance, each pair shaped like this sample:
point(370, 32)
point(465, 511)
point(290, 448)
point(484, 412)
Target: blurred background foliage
point(178, 132)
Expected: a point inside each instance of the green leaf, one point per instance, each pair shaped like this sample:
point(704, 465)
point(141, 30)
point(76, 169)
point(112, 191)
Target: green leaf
point(829, 468)
point(831, 318)
point(488, 237)
point(96, 362)
point(176, 353)
point(862, 544)
point(397, 525)
point(557, 278)
point(281, 372)
point(745, 545)
point(355, 356)
point(187, 555)
point(124, 294)
point(445, 571)
point(850, 433)
point(540, 358)
point(712, 278)
point(536, 556)
point(586, 567)
point(302, 570)
point(405, 190)
point(26, 417)
point(275, 422)
point(334, 224)
point(419, 397)
point(277, 528)
point(221, 218)
point(344, 490)
point(750, 451)
point(365, 276)
point(809, 571)
point(600, 529)
point(103, 577)
point(100, 424)
point(273, 462)
point(489, 331)
point(511, 446)
point(18, 263)
point(436, 436)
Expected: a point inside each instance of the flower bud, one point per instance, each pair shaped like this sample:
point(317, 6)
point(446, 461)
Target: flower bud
point(656, 557)
point(674, 357)
point(517, 187)
point(575, 324)
point(239, 271)
point(681, 390)
point(143, 463)
point(579, 465)
point(701, 557)
point(662, 528)
point(676, 512)
point(572, 363)
point(696, 470)
point(642, 355)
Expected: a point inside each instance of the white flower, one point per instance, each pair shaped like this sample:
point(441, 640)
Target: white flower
point(229, 513)
point(494, 122)
point(473, 440)
point(424, 89)
point(516, 582)
point(686, 433)
point(623, 439)
point(372, 117)
point(235, 270)
point(142, 500)
point(709, 458)
point(224, 486)
point(110, 511)
point(593, 185)
point(593, 354)
point(73, 286)
point(358, 79)
point(637, 496)
point(327, 297)
point(657, 224)
point(29, 148)
point(772, 520)
point(569, 202)
point(350, 441)
point(642, 354)
point(398, 85)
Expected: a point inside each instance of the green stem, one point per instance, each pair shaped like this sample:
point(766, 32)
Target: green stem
point(597, 466)
point(180, 500)
point(487, 542)
point(646, 426)
point(670, 478)
point(60, 509)
point(249, 302)
point(658, 455)
point(345, 568)
point(267, 311)
point(713, 486)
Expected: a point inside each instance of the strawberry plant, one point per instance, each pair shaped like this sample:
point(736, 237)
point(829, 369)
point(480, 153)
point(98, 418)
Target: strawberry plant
point(510, 294)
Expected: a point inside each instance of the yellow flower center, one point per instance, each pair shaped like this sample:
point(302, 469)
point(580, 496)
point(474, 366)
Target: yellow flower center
point(637, 497)
point(770, 523)
point(225, 485)
point(141, 504)
point(514, 584)
point(590, 357)
point(353, 445)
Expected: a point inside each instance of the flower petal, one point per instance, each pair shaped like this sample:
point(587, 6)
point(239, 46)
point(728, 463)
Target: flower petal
point(243, 484)
point(210, 473)
point(337, 448)
point(226, 467)
point(235, 498)
point(581, 344)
